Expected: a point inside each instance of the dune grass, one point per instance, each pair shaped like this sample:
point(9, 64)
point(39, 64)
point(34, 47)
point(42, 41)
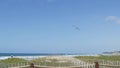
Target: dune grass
point(37, 61)
point(98, 58)
point(43, 60)
point(13, 60)
point(50, 62)
point(56, 62)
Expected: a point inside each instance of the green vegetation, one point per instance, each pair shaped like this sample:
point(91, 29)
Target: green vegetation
point(37, 61)
point(43, 60)
point(49, 62)
point(98, 58)
point(55, 62)
point(13, 60)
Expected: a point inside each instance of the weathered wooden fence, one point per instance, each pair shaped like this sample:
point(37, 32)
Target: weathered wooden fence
point(109, 64)
point(102, 64)
point(48, 65)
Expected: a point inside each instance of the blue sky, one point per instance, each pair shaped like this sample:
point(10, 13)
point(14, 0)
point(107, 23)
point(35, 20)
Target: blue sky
point(46, 26)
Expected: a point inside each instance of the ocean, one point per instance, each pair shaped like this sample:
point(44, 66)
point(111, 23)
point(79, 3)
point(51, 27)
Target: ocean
point(29, 56)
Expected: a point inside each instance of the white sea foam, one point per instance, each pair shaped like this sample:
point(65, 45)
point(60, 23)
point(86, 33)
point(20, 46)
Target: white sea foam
point(34, 57)
point(23, 57)
point(4, 57)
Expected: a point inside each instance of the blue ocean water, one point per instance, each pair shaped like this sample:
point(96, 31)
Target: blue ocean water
point(28, 54)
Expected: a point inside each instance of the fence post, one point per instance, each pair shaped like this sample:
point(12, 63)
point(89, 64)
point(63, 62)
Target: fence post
point(31, 65)
point(96, 65)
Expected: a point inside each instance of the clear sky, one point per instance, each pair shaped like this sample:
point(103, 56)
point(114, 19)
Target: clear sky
point(49, 26)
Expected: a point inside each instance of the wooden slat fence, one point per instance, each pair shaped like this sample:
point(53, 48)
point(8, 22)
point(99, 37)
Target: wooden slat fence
point(102, 64)
point(109, 64)
point(48, 65)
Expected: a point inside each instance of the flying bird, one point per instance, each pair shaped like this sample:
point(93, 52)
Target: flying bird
point(76, 27)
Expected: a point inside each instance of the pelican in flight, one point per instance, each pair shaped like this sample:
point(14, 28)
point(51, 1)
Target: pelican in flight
point(76, 27)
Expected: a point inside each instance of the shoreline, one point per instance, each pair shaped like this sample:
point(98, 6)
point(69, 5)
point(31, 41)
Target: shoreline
point(39, 56)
